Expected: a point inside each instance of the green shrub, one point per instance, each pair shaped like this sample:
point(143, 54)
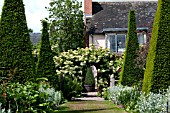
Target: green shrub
point(29, 97)
point(157, 74)
point(89, 78)
point(70, 87)
point(45, 65)
point(129, 74)
point(15, 44)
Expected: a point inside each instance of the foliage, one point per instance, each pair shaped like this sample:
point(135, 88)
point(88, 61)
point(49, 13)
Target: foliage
point(156, 76)
point(74, 63)
point(135, 101)
point(66, 25)
point(46, 65)
point(141, 58)
point(15, 44)
point(55, 97)
point(127, 96)
point(105, 93)
point(29, 97)
point(129, 75)
point(89, 78)
point(3, 110)
point(70, 87)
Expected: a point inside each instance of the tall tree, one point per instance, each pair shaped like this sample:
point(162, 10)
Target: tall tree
point(129, 75)
point(66, 24)
point(45, 65)
point(157, 73)
point(15, 44)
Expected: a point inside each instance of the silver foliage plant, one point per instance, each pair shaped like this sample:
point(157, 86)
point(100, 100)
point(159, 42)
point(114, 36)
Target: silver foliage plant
point(143, 103)
point(3, 110)
point(54, 96)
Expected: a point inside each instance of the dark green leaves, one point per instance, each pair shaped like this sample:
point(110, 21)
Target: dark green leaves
point(129, 75)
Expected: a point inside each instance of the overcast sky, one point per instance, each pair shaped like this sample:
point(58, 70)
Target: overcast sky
point(35, 11)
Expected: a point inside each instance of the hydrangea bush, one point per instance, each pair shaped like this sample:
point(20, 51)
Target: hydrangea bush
point(135, 101)
point(75, 62)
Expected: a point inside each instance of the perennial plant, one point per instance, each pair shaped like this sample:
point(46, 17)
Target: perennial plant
point(135, 101)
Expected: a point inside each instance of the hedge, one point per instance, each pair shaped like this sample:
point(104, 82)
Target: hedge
point(129, 74)
point(45, 66)
point(15, 44)
point(157, 73)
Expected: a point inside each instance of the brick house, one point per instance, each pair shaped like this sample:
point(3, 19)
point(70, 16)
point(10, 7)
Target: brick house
point(107, 22)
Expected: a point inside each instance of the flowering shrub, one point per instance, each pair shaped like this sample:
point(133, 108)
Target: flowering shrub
point(75, 62)
point(138, 102)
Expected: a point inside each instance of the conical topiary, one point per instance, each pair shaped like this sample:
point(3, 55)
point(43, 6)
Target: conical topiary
point(157, 73)
point(46, 65)
point(129, 74)
point(89, 78)
point(15, 44)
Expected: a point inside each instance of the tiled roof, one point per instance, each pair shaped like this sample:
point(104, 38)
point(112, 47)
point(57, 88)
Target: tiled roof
point(35, 38)
point(115, 14)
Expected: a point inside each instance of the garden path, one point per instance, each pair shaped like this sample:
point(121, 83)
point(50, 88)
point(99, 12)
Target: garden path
point(89, 103)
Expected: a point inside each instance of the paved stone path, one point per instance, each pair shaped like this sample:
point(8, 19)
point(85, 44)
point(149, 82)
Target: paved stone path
point(89, 96)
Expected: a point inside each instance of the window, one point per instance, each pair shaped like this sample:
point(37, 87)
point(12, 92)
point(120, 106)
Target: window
point(141, 38)
point(116, 42)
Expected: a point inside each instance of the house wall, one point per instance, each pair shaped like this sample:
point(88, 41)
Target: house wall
point(98, 40)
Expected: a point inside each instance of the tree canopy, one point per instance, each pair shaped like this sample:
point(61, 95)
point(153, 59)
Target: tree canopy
point(66, 25)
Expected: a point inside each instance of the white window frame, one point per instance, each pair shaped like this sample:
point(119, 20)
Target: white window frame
point(116, 44)
point(106, 39)
point(144, 36)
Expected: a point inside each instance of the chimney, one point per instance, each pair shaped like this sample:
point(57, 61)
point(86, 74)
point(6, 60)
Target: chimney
point(88, 8)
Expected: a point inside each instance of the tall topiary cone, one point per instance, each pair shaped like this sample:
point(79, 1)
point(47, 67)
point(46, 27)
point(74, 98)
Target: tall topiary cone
point(129, 73)
point(15, 44)
point(46, 65)
point(157, 73)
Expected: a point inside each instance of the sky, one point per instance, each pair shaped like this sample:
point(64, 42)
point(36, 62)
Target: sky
point(35, 11)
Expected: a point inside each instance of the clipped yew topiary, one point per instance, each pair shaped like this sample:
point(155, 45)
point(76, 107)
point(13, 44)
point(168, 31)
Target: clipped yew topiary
point(45, 66)
point(89, 82)
point(89, 78)
point(129, 74)
point(15, 45)
point(157, 73)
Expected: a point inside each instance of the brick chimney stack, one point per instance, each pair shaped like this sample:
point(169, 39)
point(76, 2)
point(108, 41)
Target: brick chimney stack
point(88, 8)
point(87, 17)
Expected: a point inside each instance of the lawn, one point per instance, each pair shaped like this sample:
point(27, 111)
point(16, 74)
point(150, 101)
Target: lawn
point(89, 107)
